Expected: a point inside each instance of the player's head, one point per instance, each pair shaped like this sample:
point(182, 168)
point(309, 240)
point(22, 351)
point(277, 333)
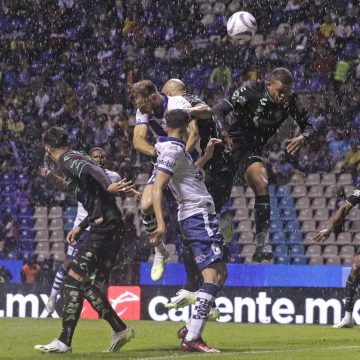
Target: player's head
point(55, 138)
point(280, 85)
point(174, 87)
point(98, 154)
point(177, 120)
point(144, 96)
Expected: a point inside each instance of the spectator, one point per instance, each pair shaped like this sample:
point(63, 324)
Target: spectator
point(5, 275)
point(29, 270)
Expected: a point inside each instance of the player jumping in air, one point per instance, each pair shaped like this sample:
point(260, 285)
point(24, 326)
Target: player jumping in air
point(150, 115)
point(257, 110)
point(354, 277)
point(92, 188)
point(197, 220)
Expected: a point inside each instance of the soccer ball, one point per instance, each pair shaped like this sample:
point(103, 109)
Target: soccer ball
point(241, 26)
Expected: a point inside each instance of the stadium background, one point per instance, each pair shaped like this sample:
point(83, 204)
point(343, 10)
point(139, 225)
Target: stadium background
point(71, 63)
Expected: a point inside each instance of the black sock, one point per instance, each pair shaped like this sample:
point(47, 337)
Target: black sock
point(350, 290)
point(101, 304)
point(262, 218)
point(193, 276)
point(73, 301)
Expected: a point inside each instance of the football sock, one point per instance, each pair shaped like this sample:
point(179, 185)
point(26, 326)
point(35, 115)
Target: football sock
point(204, 302)
point(193, 276)
point(262, 218)
point(73, 301)
point(100, 303)
point(150, 224)
point(350, 290)
point(59, 278)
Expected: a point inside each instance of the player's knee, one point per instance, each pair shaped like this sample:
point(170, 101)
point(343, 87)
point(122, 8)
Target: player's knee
point(82, 279)
point(146, 204)
point(67, 264)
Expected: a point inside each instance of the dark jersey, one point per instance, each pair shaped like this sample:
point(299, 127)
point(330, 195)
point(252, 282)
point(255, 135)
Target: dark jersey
point(354, 199)
point(255, 117)
point(207, 127)
point(89, 182)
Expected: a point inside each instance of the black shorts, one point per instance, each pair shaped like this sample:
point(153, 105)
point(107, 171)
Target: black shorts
point(97, 254)
point(244, 158)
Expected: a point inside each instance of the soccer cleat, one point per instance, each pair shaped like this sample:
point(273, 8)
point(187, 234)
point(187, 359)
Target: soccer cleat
point(56, 346)
point(181, 334)
point(183, 298)
point(50, 305)
point(344, 323)
point(226, 226)
point(262, 254)
point(158, 267)
point(214, 314)
point(119, 339)
point(197, 345)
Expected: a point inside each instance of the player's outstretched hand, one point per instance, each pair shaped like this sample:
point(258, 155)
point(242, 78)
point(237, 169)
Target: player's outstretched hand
point(294, 144)
point(157, 236)
point(321, 236)
point(210, 146)
point(72, 235)
point(227, 139)
point(121, 186)
point(44, 172)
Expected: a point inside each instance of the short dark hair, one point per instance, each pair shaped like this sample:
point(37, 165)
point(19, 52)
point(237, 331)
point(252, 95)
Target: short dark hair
point(143, 88)
point(177, 118)
point(56, 137)
point(283, 75)
point(96, 148)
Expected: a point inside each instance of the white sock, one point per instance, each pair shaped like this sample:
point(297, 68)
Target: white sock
point(348, 316)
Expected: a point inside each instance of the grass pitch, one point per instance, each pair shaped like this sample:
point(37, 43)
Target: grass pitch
point(158, 341)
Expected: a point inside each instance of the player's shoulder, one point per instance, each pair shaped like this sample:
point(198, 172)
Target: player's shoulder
point(141, 118)
point(178, 102)
point(247, 91)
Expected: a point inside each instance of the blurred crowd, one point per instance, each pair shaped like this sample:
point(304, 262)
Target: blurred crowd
point(71, 63)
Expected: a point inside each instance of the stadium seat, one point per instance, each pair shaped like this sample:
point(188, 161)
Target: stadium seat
point(308, 237)
point(353, 214)
point(280, 250)
point(234, 248)
point(322, 224)
point(328, 179)
point(345, 179)
point(283, 191)
point(26, 212)
point(302, 203)
point(331, 191)
point(349, 189)
point(319, 203)
point(57, 235)
point(129, 203)
point(41, 224)
point(297, 250)
point(295, 237)
point(27, 246)
point(171, 249)
point(305, 214)
point(41, 257)
point(347, 251)
point(354, 226)
point(313, 251)
point(318, 260)
point(286, 202)
point(60, 256)
point(41, 247)
point(246, 237)
point(275, 213)
point(142, 179)
point(292, 225)
point(344, 238)
point(41, 235)
point(251, 202)
point(288, 214)
point(244, 226)
point(321, 214)
point(331, 204)
point(356, 239)
point(282, 260)
point(70, 213)
point(69, 225)
point(299, 191)
point(241, 214)
point(333, 261)
point(312, 179)
point(237, 191)
point(315, 191)
point(278, 238)
point(308, 225)
point(275, 225)
point(296, 179)
point(249, 193)
point(40, 212)
point(330, 251)
point(56, 224)
point(347, 261)
point(58, 247)
point(27, 223)
point(55, 212)
point(247, 250)
point(272, 190)
point(299, 260)
point(239, 203)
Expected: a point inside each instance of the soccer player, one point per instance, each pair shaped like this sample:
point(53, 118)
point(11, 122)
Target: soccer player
point(151, 108)
point(218, 181)
point(91, 187)
point(257, 111)
point(196, 217)
point(354, 276)
point(97, 154)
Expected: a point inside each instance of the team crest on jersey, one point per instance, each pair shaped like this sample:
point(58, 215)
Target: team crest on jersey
point(357, 193)
point(241, 100)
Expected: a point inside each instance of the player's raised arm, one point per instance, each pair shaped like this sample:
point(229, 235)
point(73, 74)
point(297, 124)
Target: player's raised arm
point(193, 135)
point(200, 163)
point(140, 142)
point(54, 179)
point(200, 111)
